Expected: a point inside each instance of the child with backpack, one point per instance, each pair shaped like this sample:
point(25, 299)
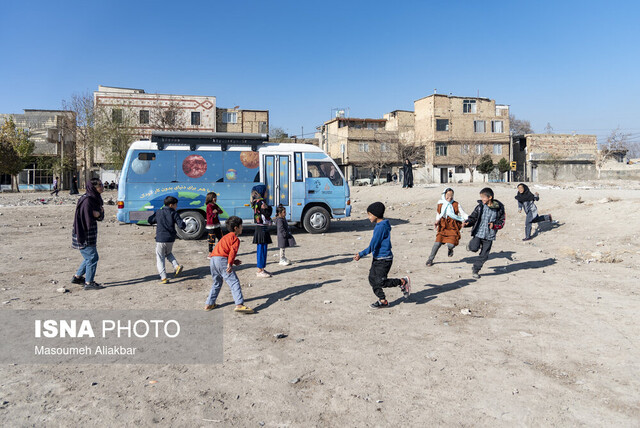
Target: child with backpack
point(486, 219)
point(166, 219)
point(449, 218)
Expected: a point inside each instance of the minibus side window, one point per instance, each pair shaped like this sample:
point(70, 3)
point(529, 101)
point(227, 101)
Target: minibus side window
point(297, 159)
point(324, 169)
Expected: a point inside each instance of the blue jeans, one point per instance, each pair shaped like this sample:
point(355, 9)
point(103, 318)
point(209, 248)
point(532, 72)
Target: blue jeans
point(89, 264)
point(262, 255)
point(219, 272)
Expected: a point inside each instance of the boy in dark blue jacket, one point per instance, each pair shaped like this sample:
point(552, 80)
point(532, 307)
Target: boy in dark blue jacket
point(380, 249)
point(166, 218)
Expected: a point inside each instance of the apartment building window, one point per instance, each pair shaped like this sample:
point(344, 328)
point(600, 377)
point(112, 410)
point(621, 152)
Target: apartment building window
point(478, 126)
point(469, 106)
point(195, 118)
point(497, 149)
point(262, 127)
point(144, 117)
point(116, 115)
point(442, 124)
point(441, 149)
point(230, 117)
point(384, 147)
point(459, 169)
point(464, 149)
point(363, 147)
point(497, 126)
point(479, 149)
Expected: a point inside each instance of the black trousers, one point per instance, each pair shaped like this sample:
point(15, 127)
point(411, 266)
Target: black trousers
point(484, 245)
point(378, 277)
point(213, 234)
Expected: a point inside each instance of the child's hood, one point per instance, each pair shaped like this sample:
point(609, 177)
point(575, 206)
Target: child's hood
point(494, 205)
point(384, 224)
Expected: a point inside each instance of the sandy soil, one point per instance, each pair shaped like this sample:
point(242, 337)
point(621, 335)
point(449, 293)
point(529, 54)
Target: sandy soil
point(550, 338)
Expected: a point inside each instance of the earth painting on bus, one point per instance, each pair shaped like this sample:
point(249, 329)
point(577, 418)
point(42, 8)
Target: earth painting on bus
point(194, 166)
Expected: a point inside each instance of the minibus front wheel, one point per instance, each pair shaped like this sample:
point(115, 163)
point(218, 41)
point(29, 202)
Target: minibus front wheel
point(317, 220)
point(195, 225)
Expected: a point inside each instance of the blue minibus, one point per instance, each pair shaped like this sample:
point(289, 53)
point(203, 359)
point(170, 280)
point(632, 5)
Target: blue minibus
point(188, 165)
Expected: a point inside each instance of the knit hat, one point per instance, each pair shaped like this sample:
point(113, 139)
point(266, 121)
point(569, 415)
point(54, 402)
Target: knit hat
point(377, 209)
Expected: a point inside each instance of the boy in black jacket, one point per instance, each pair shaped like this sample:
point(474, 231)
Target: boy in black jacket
point(166, 218)
point(486, 219)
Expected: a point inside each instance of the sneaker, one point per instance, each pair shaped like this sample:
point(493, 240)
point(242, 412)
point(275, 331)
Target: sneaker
point(164, 281)
point(476, 275)
point(406, 287)
point(429, 263)
point(210, 307)
point(179, 269)
point(284, 262)
point(379, 304)
point(76, 280)
point(450, 253)
point(263, 274)
point(243, 309)
point(93, 286)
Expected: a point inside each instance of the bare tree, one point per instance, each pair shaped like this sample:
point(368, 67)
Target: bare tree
point(617, 143)
point(555, 162)
point(84, 127)
point(470, 154)
point(519, 126)
point(377, 158)
point(278, 135)
point(115, 127)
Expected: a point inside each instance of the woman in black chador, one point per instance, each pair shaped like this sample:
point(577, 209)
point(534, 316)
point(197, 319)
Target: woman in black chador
point(408, 174)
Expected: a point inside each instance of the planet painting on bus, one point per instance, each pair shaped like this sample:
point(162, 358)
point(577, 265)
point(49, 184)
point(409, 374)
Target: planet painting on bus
point(194, 166)
point(250, 159)
point(231, 174)
point(140, 166)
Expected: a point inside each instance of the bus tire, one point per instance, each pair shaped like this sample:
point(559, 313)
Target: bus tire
point(316, 220)
point(195, 225)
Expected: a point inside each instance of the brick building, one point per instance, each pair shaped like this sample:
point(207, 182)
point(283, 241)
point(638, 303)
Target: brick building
point(457, 132)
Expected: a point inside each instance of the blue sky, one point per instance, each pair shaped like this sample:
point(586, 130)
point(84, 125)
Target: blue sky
point(573, 64)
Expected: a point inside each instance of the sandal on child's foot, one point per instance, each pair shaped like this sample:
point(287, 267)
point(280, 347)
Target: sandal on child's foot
point(406, 287)
point(429, 263)
point(242, 309)
point(379, 304)
point(179, 269)
point(263, 274)
point(164, 281)
point(210, 307)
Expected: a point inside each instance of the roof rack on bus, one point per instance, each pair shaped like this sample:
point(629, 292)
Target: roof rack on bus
point(223, 139)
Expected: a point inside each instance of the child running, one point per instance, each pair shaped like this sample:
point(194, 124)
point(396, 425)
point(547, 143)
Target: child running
point(262, 219)
point(448, 223)
point(486, 219)
point(285, 238)
point(166, 218)
point(526, 200)
point(213, 221)
point(223, 258)
point(380, 249)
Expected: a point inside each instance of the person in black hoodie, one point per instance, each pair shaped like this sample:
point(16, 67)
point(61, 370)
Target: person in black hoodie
point(166, 218)
point(486, 219)
point(84, 236)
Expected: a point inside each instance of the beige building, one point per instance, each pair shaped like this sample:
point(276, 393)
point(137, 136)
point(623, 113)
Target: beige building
point(246, 121)
point(356, 144)
point(53, 132)
point(551, 157)
point(457, 132)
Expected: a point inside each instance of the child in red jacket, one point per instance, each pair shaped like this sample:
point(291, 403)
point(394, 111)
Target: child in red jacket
point(223, 258)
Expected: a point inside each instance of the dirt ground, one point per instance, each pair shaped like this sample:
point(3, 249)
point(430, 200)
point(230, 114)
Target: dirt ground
point(548, 336)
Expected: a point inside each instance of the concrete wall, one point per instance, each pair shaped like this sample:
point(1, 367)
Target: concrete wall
point(248, 121)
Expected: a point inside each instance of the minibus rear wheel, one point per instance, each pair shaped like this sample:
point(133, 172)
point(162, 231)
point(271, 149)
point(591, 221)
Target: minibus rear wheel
point(316, 220)
point(195, 225)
